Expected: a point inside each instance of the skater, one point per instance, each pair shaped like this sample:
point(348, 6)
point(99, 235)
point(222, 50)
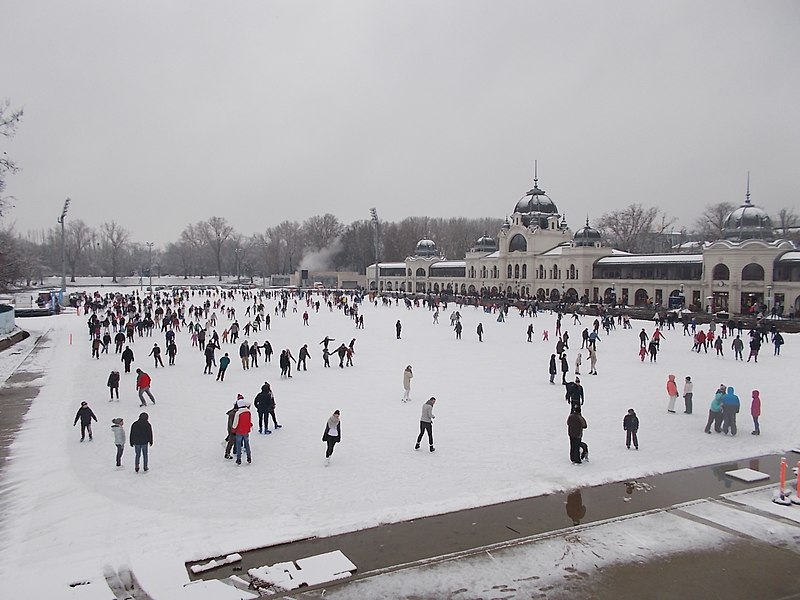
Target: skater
point(574, 393)
point(210, 360)
point(777, 340)
point(156, 354)
point(592, 360)
point(244, 355)
point(578, 361)
point(642, 353)
point(564, 369)
point(113, 384)
point(140, 438)
point(172, 351)
point(530, 332)
point(265, 405)
point(398, 328)
point(715, 411)
point(231, 437)
point(325, 341)
point(631, 426)
point(408, 375)
point(553, 369)
point(119, 438)
point(85, 415)
point(755, 347)
point(332, 435)
point(223, 366)
point(755, 412)
point(326, 357)
point(426, 423)
point(302, 356)
point(341, 351)
point(143, 385)
point(479, 331)
point(96, 342)
point(127, 358)
point(578, 450)
point(242, 424)
point(458, 328)
point(688, 388)
point(730, 406)
point(737, 345)
point(672, 392)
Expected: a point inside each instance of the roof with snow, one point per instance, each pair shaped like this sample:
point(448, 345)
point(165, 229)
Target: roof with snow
point(652, 259)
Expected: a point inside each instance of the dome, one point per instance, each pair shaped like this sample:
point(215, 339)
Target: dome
point(747, 222)
point(484, 244)
point(587, 236)
point(536, 207)
point(426, 248)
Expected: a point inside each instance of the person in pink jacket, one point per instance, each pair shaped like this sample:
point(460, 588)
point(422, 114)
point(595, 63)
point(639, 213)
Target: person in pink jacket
point(755, 411)
point(672, 392)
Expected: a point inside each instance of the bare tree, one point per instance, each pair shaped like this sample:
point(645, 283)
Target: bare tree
point(290, 241)
point(193, 242)
point(9, 119)
point(787, 223)
point(632, 228)
point(708, 226)
point(116, 237)
point(321, 230)
point(78, 239)
point(216, 232)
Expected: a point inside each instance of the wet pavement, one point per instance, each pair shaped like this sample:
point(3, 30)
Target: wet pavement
point(388, 547)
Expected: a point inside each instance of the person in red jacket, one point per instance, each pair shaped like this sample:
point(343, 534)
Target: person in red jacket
point(755, 412)
point(242, 424)
point(143, 385)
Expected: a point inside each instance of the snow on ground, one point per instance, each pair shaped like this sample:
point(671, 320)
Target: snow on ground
point(500, 434)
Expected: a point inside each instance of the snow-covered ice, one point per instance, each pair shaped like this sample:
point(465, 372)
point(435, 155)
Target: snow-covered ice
point(500, 434)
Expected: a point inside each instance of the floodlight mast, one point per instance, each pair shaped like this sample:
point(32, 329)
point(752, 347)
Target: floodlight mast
point(63, 249)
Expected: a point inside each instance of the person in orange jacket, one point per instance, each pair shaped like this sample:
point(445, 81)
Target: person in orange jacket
point(672, 392)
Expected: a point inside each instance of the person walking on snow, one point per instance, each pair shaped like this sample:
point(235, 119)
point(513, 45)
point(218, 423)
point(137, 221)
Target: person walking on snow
point(672, 392)
point(578, 450)
point(715, 411)
point(631, 426)
point(755, 412)
point(85, 415)
point(332, 435)
point(143, 385)
point(242, 425)
point(688, 388)
point(113, 384)
point(730, 406)
point(141, 438)
point(119, 438)
point(408, 375)
point(426, 423)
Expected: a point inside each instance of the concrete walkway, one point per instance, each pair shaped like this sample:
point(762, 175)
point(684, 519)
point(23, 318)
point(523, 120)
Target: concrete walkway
point(421, 542)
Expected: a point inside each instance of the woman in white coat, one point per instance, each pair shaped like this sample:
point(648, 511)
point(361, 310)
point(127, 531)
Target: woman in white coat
point(407, 377)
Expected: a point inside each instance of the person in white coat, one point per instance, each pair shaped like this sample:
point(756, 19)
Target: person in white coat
point(426, 423)
point(688, 392)
point(408, 375)
point(119, 438)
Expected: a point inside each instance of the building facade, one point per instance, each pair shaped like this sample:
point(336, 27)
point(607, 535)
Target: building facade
point(536, 255)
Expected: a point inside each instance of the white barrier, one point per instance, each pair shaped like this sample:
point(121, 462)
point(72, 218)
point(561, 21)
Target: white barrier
point(6, 319)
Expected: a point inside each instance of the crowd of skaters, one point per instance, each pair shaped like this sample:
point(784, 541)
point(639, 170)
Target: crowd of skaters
point(132, 315)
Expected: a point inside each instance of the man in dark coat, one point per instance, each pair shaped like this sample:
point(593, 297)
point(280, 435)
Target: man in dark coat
point(578, 450)
point(265, 405)
point(574, 393)
point(127, 358)
point(85, 415)
point(141, 438)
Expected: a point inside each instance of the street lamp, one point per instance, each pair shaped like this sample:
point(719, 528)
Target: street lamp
point(150, 267)
point(238, 253)
point(769, 297)
point(613, 292)
point(562, 293)
point(374, 214)
point(63, 250)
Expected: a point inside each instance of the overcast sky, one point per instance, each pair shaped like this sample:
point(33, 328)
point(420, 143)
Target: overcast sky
point(160, 114)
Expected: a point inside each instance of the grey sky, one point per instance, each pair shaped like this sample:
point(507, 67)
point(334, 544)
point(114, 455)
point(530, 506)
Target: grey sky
point(160, 114)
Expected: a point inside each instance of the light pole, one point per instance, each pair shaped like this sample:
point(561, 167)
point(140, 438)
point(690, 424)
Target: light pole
point(562, 293)
point(374, 214)
point(613, 293)
point(769, 298)
point(238, 253)
point(150, 261)
point(63, 251)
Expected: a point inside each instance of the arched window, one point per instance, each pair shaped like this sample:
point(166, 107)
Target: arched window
point(495, 272)
point(541, 273)
point(516, 271)
point(721, 272)
point(483, 272)
point(518, 243)
point(753, 272)
point(640, 298)
point(472, 272)
point(420, 272)
point(571, 273)
point(524, 271)
point(509, 271)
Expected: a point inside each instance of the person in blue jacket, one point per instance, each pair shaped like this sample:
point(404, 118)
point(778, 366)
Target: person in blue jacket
point(730, 406)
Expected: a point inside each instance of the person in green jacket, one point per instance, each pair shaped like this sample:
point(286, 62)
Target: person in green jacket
point(223, 365)
point(715, 412)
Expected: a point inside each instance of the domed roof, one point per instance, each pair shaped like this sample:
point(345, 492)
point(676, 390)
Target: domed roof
point(536, 201)
point(484, 244)
point(747, 222)
point(587, 236)
point(426, 248)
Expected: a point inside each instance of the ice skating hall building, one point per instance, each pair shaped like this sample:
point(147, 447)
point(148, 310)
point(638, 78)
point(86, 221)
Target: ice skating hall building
point(535, 254)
